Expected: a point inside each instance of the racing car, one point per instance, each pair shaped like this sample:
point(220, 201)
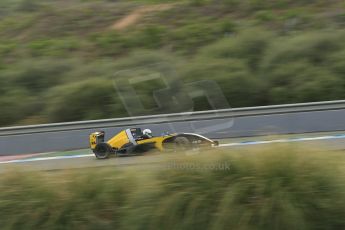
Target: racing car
point(133, 141)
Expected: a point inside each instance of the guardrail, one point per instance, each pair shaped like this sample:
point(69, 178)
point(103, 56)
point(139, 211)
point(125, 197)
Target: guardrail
point(176, 117)
point(264, 120)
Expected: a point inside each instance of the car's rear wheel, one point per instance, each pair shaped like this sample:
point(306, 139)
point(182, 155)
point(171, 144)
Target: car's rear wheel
point(102, 150)
point(182, 143)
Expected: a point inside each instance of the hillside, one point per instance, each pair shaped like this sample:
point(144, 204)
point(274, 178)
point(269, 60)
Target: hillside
point(58, 59)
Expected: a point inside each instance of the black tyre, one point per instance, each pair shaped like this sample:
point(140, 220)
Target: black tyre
point(182, 143)
point(102, 150)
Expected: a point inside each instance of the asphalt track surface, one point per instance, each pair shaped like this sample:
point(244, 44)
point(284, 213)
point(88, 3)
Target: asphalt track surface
point(85, 158)
point(215, 126)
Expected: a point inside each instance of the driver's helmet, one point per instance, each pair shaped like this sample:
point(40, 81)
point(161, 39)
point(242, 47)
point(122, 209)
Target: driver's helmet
point(147, 132)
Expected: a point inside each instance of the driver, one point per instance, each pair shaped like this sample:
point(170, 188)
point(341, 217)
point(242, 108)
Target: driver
point(147, 133)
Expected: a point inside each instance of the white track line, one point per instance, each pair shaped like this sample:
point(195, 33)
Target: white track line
point(302, 139)
point(46, 158)
point(244, 143)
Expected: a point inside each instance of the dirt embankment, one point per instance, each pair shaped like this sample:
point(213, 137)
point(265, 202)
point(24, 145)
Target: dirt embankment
point(137, 14)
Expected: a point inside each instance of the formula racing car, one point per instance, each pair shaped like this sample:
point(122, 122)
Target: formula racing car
point(134, 141)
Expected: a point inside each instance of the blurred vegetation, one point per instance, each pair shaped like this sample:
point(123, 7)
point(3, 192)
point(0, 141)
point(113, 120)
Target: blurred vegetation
point(276, 188)
point(58, 58)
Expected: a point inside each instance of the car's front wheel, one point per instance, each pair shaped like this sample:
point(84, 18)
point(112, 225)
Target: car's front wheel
point(102, 150)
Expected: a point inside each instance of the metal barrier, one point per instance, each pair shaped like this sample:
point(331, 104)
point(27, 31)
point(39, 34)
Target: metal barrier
point(176, 117)
point(263, 120)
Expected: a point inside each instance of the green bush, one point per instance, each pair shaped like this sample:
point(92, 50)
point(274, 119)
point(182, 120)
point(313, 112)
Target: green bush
point(305, 68)
point(314, 47)
point(28, 5)
point(265, 16)
point(37, 76)
point(6, 48)
point(17, 105)
point(244, 46)
point(188, 38)
point(336, 63)
point(53, 47)
point(302, 82)
point(280, 188)
point(150, 37)
point(91, 99)
point(109, 43)
point(146, 59)
point(197, 2)
point(233, 77)
point(259, 51)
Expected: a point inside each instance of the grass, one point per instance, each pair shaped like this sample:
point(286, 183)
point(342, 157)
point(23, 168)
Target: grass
point(271, 188)
point(50, 47)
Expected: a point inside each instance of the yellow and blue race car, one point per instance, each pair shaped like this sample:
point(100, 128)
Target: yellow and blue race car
point(133, 141)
